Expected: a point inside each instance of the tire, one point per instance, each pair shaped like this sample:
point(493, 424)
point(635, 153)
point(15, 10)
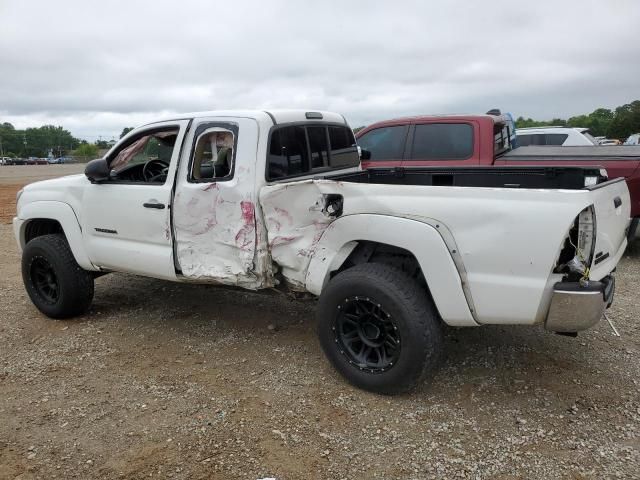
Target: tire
point(376, 304)
point(56, 284)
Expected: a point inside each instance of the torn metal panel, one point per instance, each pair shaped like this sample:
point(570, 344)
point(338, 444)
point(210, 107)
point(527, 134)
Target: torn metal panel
point(215, 234)
point(296, 217)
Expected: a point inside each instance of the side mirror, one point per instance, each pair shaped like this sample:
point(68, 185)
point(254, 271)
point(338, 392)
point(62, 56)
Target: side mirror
point(97, 171)
point(365, 154)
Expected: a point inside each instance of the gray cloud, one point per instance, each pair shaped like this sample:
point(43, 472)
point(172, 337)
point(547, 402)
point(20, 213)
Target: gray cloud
point(97, 67)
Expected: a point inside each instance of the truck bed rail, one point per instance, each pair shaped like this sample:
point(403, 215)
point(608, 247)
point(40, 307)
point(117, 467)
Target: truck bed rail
point(571, 178)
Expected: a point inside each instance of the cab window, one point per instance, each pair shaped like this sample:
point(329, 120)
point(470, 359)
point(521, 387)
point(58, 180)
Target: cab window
point(145, 159)
point(385, 143)
point(297, 150)
point(442, 141)
point(213, 155)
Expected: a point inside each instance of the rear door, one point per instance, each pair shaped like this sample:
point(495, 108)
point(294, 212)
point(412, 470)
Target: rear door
point(214, 205)
point(443, 142)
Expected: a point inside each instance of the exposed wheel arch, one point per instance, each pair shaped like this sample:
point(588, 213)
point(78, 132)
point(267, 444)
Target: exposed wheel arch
point(398, 235)
point(37, 227)
point(376, 252)
point(47, 217)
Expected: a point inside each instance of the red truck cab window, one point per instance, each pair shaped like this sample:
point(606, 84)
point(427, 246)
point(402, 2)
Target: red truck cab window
point(442, 141)
point(386, 144)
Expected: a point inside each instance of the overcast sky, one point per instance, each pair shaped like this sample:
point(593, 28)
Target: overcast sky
point(96, 67)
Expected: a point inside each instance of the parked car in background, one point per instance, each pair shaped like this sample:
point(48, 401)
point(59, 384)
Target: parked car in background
point(5, 160)
point(484, 140)
point(633, 139)
point(37, 161)
point(609, 142)
point(59, 160)
point(556, 136)
point(15, 161)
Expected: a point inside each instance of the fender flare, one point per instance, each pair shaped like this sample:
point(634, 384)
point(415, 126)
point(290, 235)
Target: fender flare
point(421, 239)
point(65, 216)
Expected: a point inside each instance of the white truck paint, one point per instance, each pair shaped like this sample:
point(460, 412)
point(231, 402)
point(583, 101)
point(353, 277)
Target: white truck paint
point(488, 255)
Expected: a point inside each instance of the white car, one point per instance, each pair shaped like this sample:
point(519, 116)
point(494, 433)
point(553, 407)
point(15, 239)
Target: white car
point(633, 139)
point(277, 199)
point(557, 136)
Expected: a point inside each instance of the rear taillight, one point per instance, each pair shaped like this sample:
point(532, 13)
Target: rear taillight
point(577, 251)
point(586, 235)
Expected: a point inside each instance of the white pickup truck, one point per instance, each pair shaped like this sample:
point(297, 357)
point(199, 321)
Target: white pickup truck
point(262, 200)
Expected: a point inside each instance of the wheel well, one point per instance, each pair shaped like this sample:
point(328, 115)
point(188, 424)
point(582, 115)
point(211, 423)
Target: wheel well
point(41, 226)
point(374, 252)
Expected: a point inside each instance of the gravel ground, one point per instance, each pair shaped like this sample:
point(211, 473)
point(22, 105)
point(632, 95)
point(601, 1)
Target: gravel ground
point(179, 381)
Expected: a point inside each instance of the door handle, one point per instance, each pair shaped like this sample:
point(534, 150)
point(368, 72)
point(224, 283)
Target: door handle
point(159, 206)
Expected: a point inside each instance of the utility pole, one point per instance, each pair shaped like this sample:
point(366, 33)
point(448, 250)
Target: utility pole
point(1, 149)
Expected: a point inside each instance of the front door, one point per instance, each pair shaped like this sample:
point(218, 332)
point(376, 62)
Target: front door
point(127, 221)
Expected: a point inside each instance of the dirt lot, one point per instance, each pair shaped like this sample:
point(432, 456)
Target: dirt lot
point(175, 381)
point(14, 177)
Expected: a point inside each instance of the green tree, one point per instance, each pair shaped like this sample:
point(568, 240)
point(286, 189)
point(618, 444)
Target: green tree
point(125, 131)
point(626, 121)
point(87, 150)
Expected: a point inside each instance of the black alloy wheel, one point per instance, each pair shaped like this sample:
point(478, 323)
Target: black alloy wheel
point(367, 334)
point(45, 280)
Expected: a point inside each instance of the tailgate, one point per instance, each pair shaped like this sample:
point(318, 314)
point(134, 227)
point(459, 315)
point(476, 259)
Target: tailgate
point(612, 206)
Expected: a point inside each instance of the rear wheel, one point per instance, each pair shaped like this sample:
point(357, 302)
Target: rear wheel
point(379, 328)
point(54, 281)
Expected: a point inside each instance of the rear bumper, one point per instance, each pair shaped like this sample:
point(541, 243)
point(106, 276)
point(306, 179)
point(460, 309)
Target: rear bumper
point(576, 307)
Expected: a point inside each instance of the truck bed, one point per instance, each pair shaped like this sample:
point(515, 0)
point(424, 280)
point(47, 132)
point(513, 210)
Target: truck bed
point(595, 152)
point(567, 178)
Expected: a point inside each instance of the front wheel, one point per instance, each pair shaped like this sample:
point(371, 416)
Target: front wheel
point(54, 281)
point(379, 328)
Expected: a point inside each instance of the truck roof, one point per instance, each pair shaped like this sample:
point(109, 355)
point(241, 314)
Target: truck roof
point(271, 117)
point(486, 119)
point(443, 116)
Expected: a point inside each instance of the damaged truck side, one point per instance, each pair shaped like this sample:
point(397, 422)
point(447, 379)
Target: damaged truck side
point(277, 199)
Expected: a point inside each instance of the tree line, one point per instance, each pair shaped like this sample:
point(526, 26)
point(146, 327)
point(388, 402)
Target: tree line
point(618, 123)
point(39, 141)
point(35, 142)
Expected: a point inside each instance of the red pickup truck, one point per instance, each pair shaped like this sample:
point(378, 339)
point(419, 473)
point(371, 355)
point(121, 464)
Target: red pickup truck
point(486, 140)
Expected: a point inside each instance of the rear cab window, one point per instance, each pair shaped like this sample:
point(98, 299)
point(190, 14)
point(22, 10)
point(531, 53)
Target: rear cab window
point(442, 141)
point(307, 149)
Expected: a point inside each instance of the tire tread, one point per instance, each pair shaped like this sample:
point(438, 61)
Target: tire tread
point(78, 295)
point(419, 308)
